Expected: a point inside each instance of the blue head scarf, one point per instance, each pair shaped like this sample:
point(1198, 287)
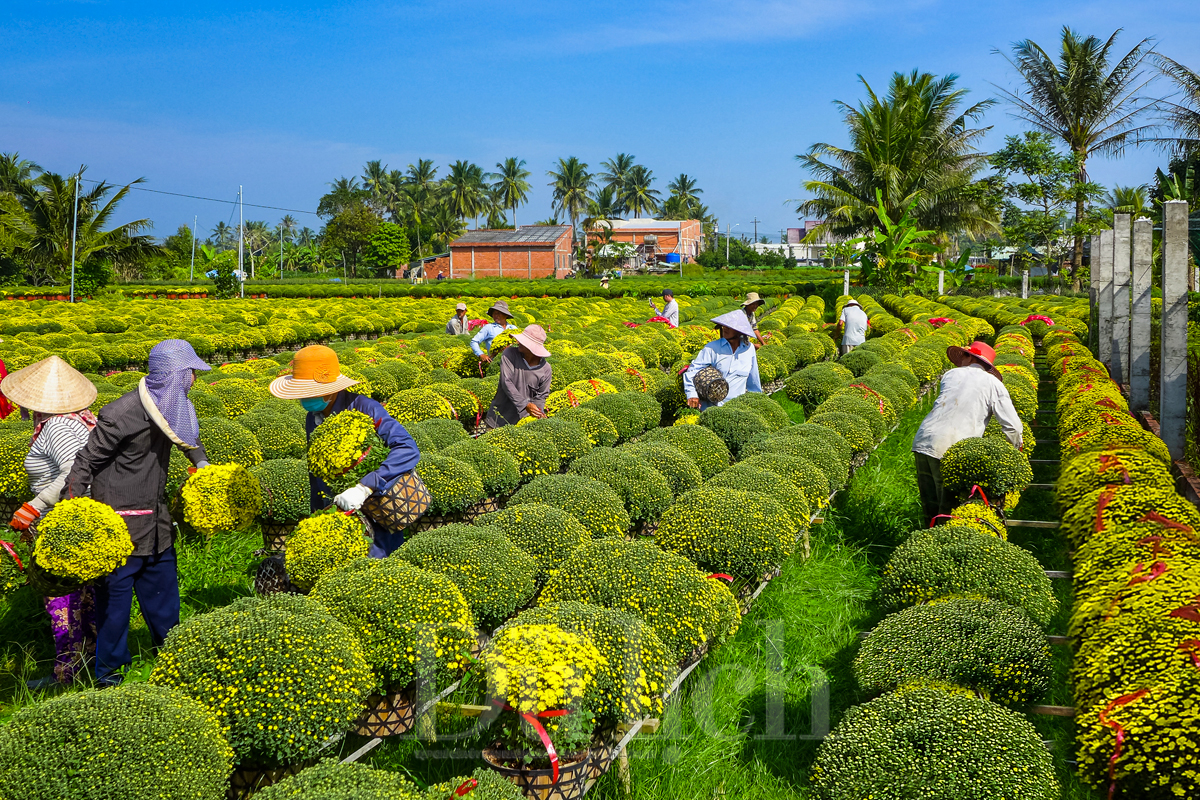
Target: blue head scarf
point(170, 377)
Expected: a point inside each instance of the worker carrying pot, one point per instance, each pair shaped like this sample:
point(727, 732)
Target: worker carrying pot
point(853, 323)
point(524, 380)
point(970, 394)
point(500, 323)
point(724, 368)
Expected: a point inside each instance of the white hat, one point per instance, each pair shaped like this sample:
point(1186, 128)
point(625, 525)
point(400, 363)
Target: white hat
point(736, 320)
point(51, 386)
point(461, 307)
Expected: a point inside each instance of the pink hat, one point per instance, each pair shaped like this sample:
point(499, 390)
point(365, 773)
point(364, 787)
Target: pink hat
point(534, 338)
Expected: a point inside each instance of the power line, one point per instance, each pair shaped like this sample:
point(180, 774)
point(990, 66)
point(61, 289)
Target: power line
point(211, 199)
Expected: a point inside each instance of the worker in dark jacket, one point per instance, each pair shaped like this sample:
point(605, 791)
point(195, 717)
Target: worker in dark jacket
point(524, 380)
point(124, 465)
point(318, 383)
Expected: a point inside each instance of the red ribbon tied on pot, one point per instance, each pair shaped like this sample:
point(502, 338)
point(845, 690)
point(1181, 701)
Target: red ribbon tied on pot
point(1120, 731)
point(12, 552)
point(977, 488)
point(535, 722)
point(466, 787)
point(938, 322)
point(1038, 318)
point(1192, 648)
point(722, 576)
point(1190, 612)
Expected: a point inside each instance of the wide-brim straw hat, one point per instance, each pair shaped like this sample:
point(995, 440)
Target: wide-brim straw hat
point(534, 339)
point(736, 320)
point(51, 386)
point(315, 373)
point(751, 298)
point(977, 353)
point(500, 306)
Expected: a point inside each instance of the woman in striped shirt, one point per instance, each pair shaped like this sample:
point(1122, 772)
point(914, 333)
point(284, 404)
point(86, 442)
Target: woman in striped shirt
point(57, 397)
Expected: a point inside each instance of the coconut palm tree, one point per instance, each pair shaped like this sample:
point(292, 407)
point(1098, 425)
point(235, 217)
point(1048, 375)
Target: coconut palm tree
point(616, 172)
point(603, 205)
point(1088, 99)
point(571, 184)
point(684, 187)
point(286, 226)
point(376, 180)
point(42, 219)
point(916, 146)
point(1128, 200)
point(223, 235)
point(1182, 116)
point(14, 170)
point(343, 193)
point(465, 189)
point(511, 185)
point(447, 225)
point(638, 196)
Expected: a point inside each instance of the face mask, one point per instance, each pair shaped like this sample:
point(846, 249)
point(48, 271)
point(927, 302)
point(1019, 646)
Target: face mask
point(314, 404)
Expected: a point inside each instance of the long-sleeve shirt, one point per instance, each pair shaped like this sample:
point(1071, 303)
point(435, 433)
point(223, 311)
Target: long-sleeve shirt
point(670, 313)
point(740, 369)
point(483, 337)
point(520, 385)
point(125, 466)
point(457, 325)
point(854, 326)
point(969, 396)
point(50, 458)
point(401, 458)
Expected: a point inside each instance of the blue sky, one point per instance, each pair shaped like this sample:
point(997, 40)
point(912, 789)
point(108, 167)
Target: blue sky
point(285, 97)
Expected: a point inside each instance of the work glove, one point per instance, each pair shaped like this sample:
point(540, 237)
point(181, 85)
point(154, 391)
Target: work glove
point(353, 498)
point(199, 466)
point(25, 516)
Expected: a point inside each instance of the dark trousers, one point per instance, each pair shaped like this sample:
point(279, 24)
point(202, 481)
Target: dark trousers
point(384, 543)
point(156, 582)
point(929, 483)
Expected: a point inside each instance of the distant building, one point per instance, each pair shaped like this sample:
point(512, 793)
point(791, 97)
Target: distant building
point(530, 251)
point(653, 237)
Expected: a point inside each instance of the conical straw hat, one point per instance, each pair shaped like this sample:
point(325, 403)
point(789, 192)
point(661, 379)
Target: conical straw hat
point(51, 386)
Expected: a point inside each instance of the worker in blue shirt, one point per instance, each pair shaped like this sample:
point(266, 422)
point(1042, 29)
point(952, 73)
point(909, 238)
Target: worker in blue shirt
point(500, 322)
point(732, 355)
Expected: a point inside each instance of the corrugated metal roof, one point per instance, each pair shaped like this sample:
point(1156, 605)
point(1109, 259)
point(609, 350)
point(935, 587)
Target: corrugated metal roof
point(526, 234)
point(644, 223)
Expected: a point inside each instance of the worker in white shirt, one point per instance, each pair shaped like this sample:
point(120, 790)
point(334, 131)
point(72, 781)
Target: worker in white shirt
point(853, 323)
point(458, 323)
point(970, 394)
point(670, 310)
point(481, 344)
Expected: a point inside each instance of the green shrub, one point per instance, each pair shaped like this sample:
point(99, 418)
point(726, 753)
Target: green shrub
point(984, 645)
point(280, 674)
point(817, 443)
point(625, 415)
point(493, 574)
point(277, 436)
point(683, 606)
point(669, 461)
point(285, 489)
point(860, 360)
point(548, 534)
point(536, 452)
point(131, 742)
point(227, 442)
point(334, 780)
point(856, 406)
point(570, 439)
point(748, 478)
point(497, 470)
point(412, 623)
point(994, 465)
point(935, 743)
point(745, 534)
point(597, 507)
point(799, 472)
point(237, 395)
point(698, 443)
point(854, 429)
point(952, 559)
point(600, 430)
point(453, 485)
point(812, 385)
point(736, 428)
point(771, 412)
point(645, 492)
point(442, 433)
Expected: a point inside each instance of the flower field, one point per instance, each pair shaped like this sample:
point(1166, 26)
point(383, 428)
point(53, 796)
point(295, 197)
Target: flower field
point(579, 575)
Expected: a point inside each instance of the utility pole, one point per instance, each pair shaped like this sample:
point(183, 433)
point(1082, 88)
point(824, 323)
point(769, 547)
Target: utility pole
point(756, 221)
point(281, 250)
point(192, 271)
point(241, 244)
point(75, 231)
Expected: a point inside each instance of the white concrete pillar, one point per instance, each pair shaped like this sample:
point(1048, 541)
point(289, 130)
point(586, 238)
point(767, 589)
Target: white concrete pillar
point(1106, 295)
point(1142, 263)
point(846, 282)
point(941, 282)
point(500, 260)
point(472, 262)
point(1024, 284)
point(1172, 395)
point(1119, 366)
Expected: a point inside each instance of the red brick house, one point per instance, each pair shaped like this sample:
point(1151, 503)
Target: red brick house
point(531, 251)
point(681, 236)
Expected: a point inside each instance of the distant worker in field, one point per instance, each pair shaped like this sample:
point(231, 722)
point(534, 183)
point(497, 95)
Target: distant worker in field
point(458, 323)
point(57, 397)
point(317, 382)
point(751, 305)
point(670, 311)
point(124, 465)
point(500, 323)
point(853, 323)
point(970, 394)
point(524, 380)
point(725, 367)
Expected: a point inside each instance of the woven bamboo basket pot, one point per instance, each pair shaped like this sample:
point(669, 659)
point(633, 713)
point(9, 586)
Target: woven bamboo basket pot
point(271, 577)
point(539, 784)
point(431, 521)
point(487, 505)
point(275, 535)
point(389, 714)
point(248, 779)
point(401, 505)
point(604, 742)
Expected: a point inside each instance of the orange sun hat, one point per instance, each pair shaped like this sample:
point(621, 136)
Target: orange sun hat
point(315, 373)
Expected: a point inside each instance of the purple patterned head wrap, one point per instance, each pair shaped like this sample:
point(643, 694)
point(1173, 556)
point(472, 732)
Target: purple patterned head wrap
point(170, 377)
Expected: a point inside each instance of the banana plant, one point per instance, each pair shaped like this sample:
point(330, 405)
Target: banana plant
point(897, 248)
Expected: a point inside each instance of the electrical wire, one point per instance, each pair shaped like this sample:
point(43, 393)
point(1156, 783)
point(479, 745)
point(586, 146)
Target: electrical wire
point(210, 199)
